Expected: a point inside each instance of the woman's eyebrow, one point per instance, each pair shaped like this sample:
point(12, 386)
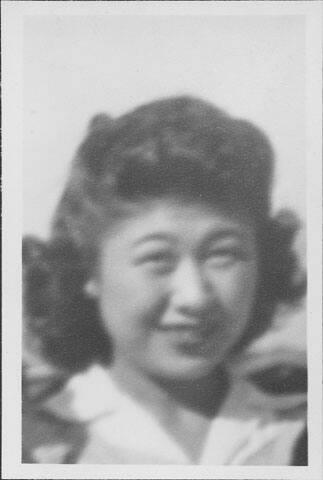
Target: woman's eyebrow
point(158, 236)
point(237, 233)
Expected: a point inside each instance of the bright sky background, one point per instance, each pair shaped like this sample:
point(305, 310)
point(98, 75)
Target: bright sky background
point(76, 66)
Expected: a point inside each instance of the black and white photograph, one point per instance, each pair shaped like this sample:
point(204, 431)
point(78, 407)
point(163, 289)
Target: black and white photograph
point(162, 240)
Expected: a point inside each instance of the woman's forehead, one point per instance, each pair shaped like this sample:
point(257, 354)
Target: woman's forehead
point(175, 215)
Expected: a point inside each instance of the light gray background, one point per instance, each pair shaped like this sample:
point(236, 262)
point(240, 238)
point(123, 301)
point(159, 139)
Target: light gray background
point(76, 66)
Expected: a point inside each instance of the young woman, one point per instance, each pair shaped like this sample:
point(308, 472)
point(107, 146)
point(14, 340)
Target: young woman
point(163, 263)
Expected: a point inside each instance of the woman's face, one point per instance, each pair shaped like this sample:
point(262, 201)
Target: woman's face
point(176, 287)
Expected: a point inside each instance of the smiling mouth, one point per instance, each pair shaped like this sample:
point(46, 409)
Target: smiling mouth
point(189, 331)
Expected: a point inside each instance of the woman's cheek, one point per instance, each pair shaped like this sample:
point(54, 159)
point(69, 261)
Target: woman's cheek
point(134, 298)
point(236, 289)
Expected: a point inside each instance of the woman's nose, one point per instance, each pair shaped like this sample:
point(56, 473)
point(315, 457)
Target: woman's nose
point(190, 288)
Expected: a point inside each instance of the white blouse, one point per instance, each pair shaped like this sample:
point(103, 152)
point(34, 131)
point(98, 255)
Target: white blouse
point(251, 427)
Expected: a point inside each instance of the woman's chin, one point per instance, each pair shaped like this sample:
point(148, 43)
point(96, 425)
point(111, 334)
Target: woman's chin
point(184, 369)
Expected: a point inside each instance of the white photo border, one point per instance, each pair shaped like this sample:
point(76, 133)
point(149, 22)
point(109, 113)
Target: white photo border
point(13, 15)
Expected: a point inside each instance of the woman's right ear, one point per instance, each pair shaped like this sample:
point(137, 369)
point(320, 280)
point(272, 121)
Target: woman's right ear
point(91, 289)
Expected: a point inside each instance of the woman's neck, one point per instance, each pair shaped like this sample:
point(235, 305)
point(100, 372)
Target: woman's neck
point(184, 408)
point(203, 395)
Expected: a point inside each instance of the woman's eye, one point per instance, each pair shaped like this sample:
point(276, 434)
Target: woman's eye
point(224, 257)
point(159, 261)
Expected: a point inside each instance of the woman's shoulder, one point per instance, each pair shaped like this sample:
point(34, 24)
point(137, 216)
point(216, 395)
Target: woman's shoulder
point(56, 419)
point(47, 435)
point(57, 410)
point(47, 438)
point(270, 392)
point(274, 382)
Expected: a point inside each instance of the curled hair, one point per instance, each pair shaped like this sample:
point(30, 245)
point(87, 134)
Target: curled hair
point(181, 146)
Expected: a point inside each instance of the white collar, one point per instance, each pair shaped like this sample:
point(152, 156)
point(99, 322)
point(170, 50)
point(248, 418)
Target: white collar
point(87, 395)
point(93, 393)
point(121, 427)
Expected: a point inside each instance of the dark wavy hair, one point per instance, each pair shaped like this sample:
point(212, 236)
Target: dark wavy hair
point(183, 146)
